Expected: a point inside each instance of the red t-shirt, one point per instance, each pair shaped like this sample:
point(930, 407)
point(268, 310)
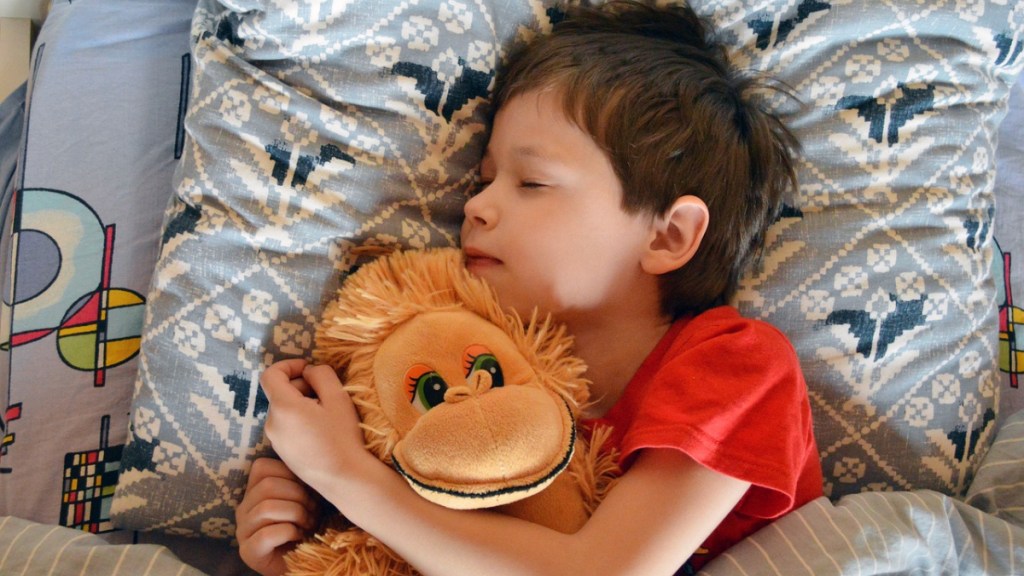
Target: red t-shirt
point(728, 392)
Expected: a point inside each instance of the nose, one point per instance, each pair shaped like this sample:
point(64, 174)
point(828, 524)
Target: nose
point(477, 383)
point(480, 210)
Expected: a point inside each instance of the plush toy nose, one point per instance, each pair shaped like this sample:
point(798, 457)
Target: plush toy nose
point(477, 383)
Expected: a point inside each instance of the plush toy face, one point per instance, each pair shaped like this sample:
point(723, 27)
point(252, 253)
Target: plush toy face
point(473, 406)
point(476, 427)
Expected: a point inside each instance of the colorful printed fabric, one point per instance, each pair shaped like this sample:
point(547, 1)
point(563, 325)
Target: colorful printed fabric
point(81, 221)
point(1008, 265)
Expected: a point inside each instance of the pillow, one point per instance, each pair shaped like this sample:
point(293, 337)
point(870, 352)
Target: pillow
point(95, 148)
point(879, 270)
point(313, 133)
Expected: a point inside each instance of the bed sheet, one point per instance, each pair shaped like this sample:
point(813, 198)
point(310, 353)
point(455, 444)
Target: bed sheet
point(901, 532)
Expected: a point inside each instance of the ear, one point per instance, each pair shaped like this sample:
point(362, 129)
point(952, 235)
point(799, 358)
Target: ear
point(676, 235)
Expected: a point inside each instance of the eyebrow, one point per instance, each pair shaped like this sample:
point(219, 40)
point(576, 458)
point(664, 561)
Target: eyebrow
point(531, 152)
point(527, 152)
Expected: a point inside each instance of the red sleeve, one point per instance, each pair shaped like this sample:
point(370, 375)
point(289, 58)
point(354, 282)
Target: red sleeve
point(729, 392)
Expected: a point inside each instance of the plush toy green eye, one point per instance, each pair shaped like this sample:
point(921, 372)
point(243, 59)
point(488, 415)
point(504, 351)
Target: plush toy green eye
point(426, 387)
point(480, 358)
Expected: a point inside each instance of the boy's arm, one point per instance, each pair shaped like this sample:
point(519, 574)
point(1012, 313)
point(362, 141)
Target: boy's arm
point(657, 515)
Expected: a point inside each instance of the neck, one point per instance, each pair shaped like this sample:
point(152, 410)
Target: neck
point(613, 349)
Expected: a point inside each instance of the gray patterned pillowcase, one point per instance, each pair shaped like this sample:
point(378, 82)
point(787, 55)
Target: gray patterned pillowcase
point(307, 142)
point(310, 134)
point(880, 268)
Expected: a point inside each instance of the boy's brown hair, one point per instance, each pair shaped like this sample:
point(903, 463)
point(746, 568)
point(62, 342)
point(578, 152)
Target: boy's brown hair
point(657, 93)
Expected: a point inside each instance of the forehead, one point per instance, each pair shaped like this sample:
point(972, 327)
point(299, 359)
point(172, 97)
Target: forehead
point(534, 125)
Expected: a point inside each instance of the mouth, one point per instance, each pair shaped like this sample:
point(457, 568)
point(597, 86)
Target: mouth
point(477, 259)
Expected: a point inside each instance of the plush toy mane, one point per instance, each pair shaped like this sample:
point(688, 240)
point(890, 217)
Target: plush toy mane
point(389, 291)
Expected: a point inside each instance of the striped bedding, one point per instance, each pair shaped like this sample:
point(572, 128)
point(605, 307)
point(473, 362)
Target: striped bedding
point(916, 532)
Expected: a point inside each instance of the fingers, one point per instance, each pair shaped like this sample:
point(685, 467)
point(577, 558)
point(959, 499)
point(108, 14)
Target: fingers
point(323, 381)
point(279, 378)
point(265, 550)
point(275, 513)
point(274, 494)
point(263, 468)
point(291, 367)
point(293, 510)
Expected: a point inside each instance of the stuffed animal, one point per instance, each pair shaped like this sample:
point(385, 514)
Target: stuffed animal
point(474, 407)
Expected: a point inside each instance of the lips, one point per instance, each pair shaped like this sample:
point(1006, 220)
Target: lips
point(476, 258)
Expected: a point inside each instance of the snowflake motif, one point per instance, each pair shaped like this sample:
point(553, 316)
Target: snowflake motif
point(145, 424)
point(828, 90)
point(292, 339)
point(222, 323)
point(259, 306)
point(945, 389)
point(970, 364)
point(851, 281)
point(936, 307)
point(881, 258)
point(218, 528)
point(863, 68)
point(970, 10)
point(980, 161)
point(169, 458)
point(456, 16)
point(448, 67)
point(849, 470)
point(939, 200)
point(481, 55)
point(189, 339)
point(909, 286)
point(235, 108)
point(420, 33)
point(383, 51)
point(817, 305)
point(970, 409)
point(919, 412)
point(893, 50)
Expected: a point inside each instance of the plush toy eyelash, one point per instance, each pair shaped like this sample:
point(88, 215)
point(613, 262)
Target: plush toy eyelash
point(470, 356)
point(470, 359)
point(413, 379)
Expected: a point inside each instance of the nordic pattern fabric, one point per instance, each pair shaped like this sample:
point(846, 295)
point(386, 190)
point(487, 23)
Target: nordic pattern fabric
point(314, 133)
point(879, 269)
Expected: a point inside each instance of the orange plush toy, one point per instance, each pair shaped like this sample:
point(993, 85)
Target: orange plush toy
point(472, 406)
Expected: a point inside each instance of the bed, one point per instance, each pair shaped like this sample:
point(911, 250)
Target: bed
point(184, 185)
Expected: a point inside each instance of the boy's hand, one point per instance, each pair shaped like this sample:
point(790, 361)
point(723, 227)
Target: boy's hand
point(311, 424)
point(274, 515)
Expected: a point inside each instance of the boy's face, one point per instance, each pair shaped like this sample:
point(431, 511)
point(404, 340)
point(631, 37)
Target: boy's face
point(547, 228)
